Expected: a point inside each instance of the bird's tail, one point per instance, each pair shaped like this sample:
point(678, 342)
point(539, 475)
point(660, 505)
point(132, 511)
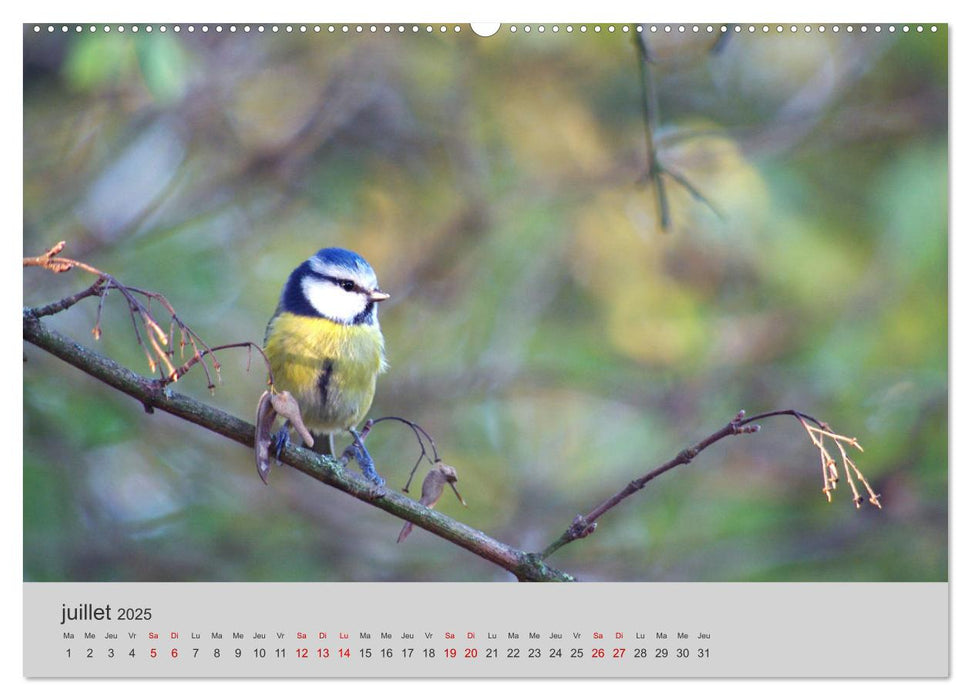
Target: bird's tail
point(324, 444)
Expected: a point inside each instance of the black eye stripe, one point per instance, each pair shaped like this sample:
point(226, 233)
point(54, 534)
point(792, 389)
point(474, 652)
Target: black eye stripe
point(346, 285)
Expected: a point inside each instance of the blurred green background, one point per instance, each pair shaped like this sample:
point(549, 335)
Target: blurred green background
point(548, 334)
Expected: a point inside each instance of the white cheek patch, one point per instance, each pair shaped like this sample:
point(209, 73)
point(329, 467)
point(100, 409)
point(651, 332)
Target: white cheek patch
point(331, 301)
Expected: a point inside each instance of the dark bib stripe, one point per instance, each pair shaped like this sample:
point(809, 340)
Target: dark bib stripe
point(324, 380)
point(366, 317)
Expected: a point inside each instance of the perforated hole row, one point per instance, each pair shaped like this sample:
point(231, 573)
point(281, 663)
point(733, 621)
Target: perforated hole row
point(455, 28)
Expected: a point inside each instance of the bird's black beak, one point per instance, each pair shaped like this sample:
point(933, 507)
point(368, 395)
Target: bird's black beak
point(378, 295)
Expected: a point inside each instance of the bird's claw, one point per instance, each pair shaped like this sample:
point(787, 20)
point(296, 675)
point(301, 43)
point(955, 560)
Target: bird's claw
point(358, 452)
point(367, 465)
point(280, 440)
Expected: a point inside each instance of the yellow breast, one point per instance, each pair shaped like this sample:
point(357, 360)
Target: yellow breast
point(331, 369)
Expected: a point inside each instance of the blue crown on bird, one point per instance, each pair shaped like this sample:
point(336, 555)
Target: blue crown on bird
point(335, 284)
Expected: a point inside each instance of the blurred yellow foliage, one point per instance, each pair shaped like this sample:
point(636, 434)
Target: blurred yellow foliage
point(552, 133)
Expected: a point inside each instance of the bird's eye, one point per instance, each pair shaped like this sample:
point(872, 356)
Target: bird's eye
point(346, 285)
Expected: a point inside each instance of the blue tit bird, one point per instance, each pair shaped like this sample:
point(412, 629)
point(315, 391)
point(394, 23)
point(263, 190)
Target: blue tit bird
point(325, 345)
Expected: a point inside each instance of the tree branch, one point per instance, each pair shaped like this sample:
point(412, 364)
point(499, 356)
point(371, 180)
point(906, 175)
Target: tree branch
point(152, 393)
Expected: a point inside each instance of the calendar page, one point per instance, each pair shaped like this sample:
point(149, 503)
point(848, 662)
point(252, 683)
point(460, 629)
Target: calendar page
point(524, 350)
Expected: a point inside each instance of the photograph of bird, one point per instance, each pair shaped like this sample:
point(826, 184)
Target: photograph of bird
point(325, 346)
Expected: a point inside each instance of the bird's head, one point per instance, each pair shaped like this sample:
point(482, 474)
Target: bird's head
point(335, 284)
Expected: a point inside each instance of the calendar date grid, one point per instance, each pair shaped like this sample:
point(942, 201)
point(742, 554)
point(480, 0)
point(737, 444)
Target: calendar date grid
point(362, 647)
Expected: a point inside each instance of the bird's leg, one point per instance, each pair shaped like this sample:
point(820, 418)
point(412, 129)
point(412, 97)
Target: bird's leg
point(359, 453)
point(281, 439)
point(366, 429)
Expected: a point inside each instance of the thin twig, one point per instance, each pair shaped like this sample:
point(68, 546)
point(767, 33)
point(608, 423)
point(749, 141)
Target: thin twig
point(198, 357)
point(419, 432)
point(830, 473)
point(157, 345)
point(49, 259)
point(650, 110)
point(694, 191)
point(656, 170)
point(584, 525)
point(96, 289)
